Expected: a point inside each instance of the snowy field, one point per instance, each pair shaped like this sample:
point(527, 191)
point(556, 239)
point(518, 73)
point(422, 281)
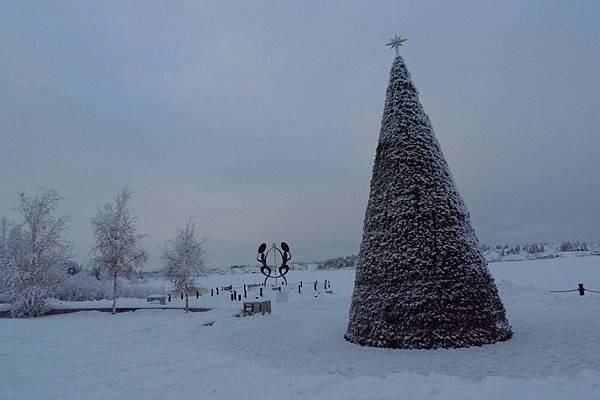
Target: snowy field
point(299, 352)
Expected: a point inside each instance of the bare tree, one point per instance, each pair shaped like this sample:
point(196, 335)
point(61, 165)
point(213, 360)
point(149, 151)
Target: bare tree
point(116, 248)
point(184, 261)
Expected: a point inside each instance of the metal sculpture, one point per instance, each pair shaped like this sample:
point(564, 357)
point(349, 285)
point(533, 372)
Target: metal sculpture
point(282, 270)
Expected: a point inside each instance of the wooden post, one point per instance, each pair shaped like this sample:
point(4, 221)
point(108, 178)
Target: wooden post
point(581, 289)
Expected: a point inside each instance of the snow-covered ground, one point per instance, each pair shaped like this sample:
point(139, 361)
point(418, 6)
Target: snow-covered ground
point(298, 352)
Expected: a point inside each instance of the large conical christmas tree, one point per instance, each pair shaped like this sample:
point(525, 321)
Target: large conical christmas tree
point(421, 280)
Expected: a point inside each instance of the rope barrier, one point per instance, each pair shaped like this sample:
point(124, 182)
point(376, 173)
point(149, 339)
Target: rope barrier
point(580, 289)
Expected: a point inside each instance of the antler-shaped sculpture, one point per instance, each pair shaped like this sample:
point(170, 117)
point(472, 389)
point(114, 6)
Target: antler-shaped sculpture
point(285, 257)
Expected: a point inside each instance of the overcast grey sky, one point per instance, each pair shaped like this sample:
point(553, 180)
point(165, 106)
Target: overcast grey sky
point(260, 119)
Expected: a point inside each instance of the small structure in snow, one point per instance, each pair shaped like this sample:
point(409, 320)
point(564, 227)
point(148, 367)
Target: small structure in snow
point(161, 298)
point(255, 307)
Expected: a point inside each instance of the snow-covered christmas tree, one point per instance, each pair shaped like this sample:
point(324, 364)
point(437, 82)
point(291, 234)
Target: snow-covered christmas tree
point(421, 281)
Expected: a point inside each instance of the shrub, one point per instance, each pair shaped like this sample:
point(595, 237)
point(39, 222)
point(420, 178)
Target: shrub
point(31, 302)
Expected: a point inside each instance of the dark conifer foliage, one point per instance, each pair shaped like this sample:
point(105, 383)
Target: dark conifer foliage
point(421, 280)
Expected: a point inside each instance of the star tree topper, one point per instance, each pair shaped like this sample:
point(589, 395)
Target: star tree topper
point(395, 43)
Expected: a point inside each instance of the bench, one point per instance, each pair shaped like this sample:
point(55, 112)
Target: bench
point(157, 297)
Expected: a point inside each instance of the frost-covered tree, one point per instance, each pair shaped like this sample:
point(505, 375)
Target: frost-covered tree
point(117, 243)
point(183, 258)
point(421, 280)
point(6, 272)
point(13, 261)
point(34, 254)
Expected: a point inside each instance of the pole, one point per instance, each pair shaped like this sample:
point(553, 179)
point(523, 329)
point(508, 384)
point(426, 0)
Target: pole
point(275, 261)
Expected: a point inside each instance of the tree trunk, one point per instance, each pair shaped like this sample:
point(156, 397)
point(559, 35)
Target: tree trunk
point(187, 302)
point(114, 306)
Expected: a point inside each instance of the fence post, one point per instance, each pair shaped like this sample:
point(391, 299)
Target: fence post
point(581, 289)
